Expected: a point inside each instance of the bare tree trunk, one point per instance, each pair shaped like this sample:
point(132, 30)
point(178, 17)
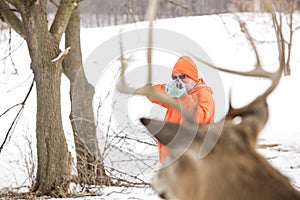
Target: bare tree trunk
point(54, 160)
point(89, 163)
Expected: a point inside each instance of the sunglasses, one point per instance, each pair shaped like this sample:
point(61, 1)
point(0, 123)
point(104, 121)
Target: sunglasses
point(180, 76)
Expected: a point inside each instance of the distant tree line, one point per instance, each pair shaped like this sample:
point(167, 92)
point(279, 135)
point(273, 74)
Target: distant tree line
point(114, 12)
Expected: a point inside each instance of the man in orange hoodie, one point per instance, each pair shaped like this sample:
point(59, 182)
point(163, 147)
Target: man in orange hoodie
point(191, 91)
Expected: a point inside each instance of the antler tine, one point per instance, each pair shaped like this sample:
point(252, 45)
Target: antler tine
point(259, 72)
point(147, 89)
point(250, 39)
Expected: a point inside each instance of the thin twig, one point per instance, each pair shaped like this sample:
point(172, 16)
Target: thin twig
point(14, 122)
point(177, 4)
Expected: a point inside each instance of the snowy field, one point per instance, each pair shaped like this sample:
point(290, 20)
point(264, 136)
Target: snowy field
point(225, 46)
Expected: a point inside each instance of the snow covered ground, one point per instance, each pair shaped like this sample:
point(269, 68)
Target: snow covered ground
point(218, 36)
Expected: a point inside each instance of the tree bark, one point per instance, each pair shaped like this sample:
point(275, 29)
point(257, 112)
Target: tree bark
point(80, 90)
point(89, 162)
point(54, 160)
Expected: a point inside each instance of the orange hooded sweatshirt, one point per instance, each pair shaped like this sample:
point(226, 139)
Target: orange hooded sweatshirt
point(200, 96)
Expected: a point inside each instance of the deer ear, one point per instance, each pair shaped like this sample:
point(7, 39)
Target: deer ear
point(170, 134)
point(163, 131)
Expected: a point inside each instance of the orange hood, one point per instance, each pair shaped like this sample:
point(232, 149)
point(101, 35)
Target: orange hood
point(185, 65)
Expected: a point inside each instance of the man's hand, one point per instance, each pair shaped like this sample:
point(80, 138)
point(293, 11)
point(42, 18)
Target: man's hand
point(175, 88)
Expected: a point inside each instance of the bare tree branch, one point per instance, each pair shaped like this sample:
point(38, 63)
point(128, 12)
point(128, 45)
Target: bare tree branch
point(16, 117)
point(177, 4)
point(62, 17)
point(8, 15)
point(55, 3)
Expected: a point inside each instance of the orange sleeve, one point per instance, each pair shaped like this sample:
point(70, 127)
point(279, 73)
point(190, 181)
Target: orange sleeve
point(161, 88)
point(201, 100)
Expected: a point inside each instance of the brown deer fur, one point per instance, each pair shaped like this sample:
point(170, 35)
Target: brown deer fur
point(233, 170)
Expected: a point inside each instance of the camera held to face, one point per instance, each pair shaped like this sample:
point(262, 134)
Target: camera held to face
point(175, 88)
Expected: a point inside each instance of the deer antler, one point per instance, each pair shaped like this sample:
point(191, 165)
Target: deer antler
point(147, 89)
point(258, 71)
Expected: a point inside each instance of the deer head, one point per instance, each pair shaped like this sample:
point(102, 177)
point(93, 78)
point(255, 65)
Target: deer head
point(233, 170)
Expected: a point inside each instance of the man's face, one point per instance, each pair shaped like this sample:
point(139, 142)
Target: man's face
point(189, 83)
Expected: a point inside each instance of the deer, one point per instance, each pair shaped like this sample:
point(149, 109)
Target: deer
point(233, 169)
